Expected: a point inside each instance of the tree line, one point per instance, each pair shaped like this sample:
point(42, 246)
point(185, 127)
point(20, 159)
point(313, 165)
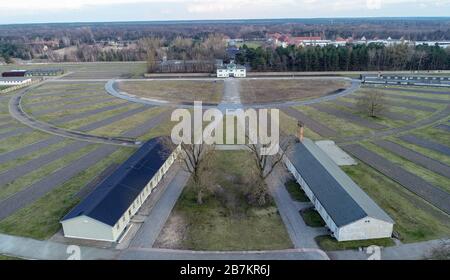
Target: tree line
point(372, 57)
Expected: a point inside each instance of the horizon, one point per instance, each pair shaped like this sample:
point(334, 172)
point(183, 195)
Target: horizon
point(97, 11)
point(237, 20)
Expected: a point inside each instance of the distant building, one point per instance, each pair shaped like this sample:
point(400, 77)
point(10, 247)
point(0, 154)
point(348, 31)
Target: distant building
point(14, 73)
point(44, 72)
point(232, 70)
point(14, 81)
point(413, 80)
point(349, 213)
point(106, 213)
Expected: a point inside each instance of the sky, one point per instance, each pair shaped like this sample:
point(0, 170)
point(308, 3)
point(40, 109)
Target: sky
point(44, 11)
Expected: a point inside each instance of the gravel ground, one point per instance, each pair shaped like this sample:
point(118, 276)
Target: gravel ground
point(29, 166)
point(72, 106)
point(411, 106)
point(113, 119)
point(89, 113)
point(12, 155)
point(15, 132)
point(412, 182)
point(349, 117)
point(415, 157)
point(416, 98)
point(443, 127)
point(392, 115)
point(147, 126)
point(435, 91)
point(428, 144)
point(314, 125)
point(47, 184)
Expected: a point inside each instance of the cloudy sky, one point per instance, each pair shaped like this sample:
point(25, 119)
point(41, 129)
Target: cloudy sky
point(30, 11)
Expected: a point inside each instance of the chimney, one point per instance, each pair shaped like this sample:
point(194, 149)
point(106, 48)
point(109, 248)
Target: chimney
point(301, 131)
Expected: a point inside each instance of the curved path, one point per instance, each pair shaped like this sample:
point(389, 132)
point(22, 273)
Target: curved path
point(17, 112)
point(112, 88)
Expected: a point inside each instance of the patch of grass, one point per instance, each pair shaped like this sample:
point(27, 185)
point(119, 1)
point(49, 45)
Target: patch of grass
point(427, 175)
point(24, 181)
point(415, 219)
point(328, 243)
point(176, 91)
point(288, 126)
point(41, 219)
point(226, 221)
point(312, 218)
point(21, 140)
point(342, 126)
point(296, 191)
point(275, 90)
point(118, 128)
point(22, 160)
point(434, 134)
point(8, 258)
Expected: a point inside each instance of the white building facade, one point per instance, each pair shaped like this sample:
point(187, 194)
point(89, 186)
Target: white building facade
point(232, 70)
point(14, 81)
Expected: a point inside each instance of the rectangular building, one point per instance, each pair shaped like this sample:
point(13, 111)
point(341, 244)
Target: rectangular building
point(232, 70)
point(106, 213)
point(14, 81)
point(349, 213)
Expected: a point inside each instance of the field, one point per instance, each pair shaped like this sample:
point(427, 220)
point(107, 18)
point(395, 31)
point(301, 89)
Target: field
point(274, 90)
point(225, 221)
point(176, 91)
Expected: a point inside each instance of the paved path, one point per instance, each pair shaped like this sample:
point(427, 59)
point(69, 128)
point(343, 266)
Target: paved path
point(415, 157)
point(349, 117)
point(425, 143)
point(412, 182)
point(162, 254)
point(154, 223)
point(37, 190)
point(46, 250)
point(413, 251)
point(34, 164)
point(312, 124)
point(302, 236)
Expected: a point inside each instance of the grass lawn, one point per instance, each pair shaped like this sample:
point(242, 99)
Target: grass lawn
point(8, 258)
point(312, 218)
point(176, 91)
point(415, 219)
point(41, 219)
point(428, 175)
point(433, 134)
point(38, 174)
point(226, 221)
point(272, 90)
point(22, 140)
point(288, 126)
point(296, 191)
point(328, 243)
point(342, 126)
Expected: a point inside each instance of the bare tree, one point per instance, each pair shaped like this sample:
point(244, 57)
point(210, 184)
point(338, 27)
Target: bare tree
point(265, 166)
point(373, 103)
point(196, 160)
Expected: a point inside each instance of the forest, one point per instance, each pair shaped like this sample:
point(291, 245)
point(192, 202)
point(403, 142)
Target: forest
point(372, 57)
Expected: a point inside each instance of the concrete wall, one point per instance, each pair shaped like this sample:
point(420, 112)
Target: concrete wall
point(367, 228)
point(84, 227)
